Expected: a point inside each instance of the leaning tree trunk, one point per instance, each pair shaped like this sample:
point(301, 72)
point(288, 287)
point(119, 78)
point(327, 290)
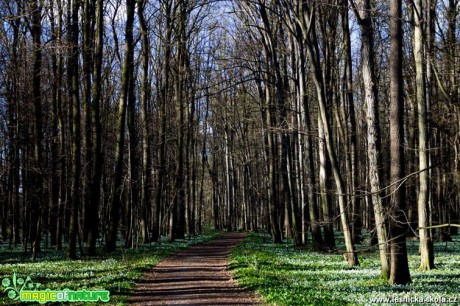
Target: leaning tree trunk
point(313, 52)
point(373, 130)
point(310, 181)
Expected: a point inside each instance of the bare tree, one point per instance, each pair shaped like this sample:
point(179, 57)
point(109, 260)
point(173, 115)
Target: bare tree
point(363, 14)
point(76, 129)
point(95, 186)
point(426, 244)
point(399, 267)
point(37, 176)
point(126, 81)
point(308, 18)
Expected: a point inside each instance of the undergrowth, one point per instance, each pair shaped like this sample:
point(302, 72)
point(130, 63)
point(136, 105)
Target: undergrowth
point(284, 275)
point(116, 272)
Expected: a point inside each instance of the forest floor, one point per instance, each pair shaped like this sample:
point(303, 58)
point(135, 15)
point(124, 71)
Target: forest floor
point(196, 276)
point(285, 276)
point(116, 272)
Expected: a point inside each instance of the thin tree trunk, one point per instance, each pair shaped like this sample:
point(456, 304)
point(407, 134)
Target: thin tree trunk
point(325, 198)
point(353, 159)
point(87, 55)
point(133, 200)
point(312, 48)
point(37, 175)
point(309, 162)
point(273, 194)
point(56, 101)
point(127, 74)
point(76, 133)
point(164, 98)
point(62, 140)
point(145, 123)
point(426, 244)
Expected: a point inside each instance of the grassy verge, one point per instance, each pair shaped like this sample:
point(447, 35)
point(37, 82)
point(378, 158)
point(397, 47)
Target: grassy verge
point(283, 275)
point(115, 272)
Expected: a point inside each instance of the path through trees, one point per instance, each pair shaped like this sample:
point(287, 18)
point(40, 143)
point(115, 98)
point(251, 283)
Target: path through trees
point(196, 276)
point(122, 121)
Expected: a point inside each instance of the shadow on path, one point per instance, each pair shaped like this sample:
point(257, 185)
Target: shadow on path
point(196, 276)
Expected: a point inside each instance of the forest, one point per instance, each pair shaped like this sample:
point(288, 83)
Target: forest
point(331, 126)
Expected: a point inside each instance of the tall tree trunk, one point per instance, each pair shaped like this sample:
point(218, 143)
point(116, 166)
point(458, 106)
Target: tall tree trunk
point(350, 103)
point(127, 75)
point(62, 138)
point(286, 147)
point(454, 93)
point(95, 187)
point(310, 179)
point(87, 59)
point(273, 194)
point(271, 54)
point(228, 176)
point(76, 133)
point(399, 267)
point(313, 52)
point(56, 59)
point(13, 119)
point(133, 199)
point(145, 123)
point(165, 96)
point(177, 221)
point(14, 172)
point(37, 174)
point(204, 162)
point(426, 244)
point(325, 198)
point(373, 129)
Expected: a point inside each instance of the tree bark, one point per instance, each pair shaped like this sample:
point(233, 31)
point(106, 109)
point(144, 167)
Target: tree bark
point(76, 133)
point(95, 187)
point(312, 48)
point(426, 244)
point(399, 266)
point(147, 179)
point(350, 103)
point(363, 15)
point(164, 97)
point(127, 75)
point(88, 15)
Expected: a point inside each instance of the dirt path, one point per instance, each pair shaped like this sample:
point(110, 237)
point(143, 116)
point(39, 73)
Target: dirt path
point(196, 276)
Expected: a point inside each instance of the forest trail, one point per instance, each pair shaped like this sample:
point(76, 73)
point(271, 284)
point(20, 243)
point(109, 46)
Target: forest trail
point(196, 276)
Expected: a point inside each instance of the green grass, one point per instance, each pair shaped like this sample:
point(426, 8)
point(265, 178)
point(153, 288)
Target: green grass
point(283, 275)
point(116, 272)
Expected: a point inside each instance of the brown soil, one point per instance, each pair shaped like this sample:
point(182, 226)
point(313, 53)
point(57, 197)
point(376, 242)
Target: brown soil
point(196, 276)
